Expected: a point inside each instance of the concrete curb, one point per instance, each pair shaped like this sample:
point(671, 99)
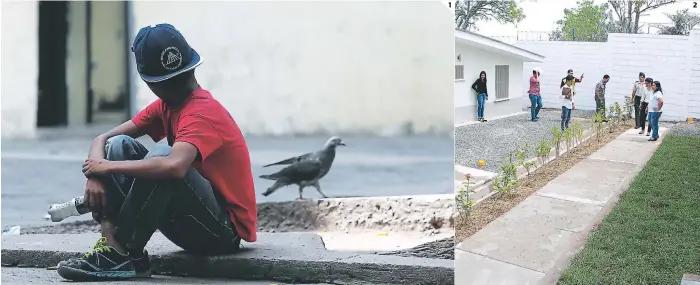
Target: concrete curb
point(289, 257)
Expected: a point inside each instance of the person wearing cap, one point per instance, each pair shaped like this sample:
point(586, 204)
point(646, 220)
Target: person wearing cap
point(638, 90)
point(197, 190)
point(570, 72)
point(535, 97)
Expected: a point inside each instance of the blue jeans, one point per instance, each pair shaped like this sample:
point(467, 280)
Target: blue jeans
point(565, 117)
point(187, 211)
point(654, 121)
point(481, 101)
point(535, 105)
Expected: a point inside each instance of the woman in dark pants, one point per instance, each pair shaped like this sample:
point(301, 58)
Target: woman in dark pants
point(481, 95)
point(644, 102)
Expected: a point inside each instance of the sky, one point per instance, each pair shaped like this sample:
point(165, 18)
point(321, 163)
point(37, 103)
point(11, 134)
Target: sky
point(540, 16)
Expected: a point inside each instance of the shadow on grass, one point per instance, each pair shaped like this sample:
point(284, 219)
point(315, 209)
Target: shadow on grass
point(652, 236)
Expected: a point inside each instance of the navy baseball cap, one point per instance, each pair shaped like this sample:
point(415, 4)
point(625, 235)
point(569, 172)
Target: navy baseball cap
point(162, 53)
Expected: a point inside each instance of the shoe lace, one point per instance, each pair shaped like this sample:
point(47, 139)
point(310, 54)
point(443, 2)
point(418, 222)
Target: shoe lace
point(100, 246)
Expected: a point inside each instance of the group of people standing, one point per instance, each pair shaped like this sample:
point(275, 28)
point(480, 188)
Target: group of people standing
point(647, 94)
point(648, 101)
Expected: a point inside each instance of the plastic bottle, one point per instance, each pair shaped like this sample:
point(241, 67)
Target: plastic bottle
point(74, 207)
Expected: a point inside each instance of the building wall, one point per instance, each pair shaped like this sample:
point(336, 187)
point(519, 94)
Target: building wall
point(668, 59)
point(475, 60)
point(19, 68)
point(306, 67)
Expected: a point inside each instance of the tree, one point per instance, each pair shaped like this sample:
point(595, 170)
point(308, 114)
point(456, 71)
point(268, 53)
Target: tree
point(629, 12)
point(467, 13)
point(682, 23)
point(587, 22)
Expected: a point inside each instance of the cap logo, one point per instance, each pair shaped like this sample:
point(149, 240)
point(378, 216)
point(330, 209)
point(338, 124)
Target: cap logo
point(171, 58)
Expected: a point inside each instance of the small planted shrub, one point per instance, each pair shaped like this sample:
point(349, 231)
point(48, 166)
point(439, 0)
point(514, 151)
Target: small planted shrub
point(542, 150)
point(598, 124)
point(611, 116)
point(556, 141)
point(568, 138)
point(628, 108)
point(464, 203)
point(522, 155)
point(507, 180)
point(618, 113)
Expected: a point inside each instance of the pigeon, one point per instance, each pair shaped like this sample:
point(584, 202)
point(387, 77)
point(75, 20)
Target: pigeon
point(304, 170)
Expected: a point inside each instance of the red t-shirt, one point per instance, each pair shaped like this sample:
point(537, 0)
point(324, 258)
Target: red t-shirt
point(225, 162)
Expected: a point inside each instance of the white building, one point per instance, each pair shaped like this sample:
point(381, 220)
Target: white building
point(672, 60)
point(503, 64)
point(279, 67)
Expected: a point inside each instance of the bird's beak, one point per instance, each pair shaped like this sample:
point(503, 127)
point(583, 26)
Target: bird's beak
point(342, 143)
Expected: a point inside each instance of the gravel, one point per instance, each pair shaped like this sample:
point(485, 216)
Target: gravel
point(690, 129)
point(493, 140)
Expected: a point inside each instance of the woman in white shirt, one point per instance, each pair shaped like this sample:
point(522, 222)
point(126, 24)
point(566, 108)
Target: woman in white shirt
point(644, 102)
point(656, 102)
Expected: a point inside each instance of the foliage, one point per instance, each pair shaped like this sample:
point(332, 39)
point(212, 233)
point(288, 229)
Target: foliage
point(611, 115)
point(682, 22)
point(542, 150)
point(468, 13)
point(556, 140)
point(597, 123)
point(464, 203)
point(568, 137)
point(577, 129)
point(506, 182)
point(522, 154)
point(587, 22)
point(628, 108)
point(618, 113)
point(626, 14)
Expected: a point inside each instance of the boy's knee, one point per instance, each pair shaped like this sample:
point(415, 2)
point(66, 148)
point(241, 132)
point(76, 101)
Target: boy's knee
point(114, 148)
point(159, 150)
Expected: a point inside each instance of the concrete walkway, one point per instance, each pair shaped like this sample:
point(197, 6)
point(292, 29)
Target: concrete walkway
point(534, 241)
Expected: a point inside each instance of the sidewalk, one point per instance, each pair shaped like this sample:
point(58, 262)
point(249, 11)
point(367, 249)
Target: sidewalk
point(531, 243)
point(286, 257)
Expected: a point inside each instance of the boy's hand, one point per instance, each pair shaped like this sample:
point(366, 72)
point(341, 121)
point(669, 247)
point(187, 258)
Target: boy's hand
point(93, 167)
point(95, 198)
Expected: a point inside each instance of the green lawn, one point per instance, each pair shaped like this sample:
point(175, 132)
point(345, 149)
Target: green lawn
point(652, 236)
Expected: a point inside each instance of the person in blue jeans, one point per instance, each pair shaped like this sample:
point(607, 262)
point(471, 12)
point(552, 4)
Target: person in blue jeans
point(567, 94)
point(654, 109)
point(535, 97)
point(481, 95)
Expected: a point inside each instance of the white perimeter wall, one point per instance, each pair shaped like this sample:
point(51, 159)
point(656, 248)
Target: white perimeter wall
point(672, 60)
point(303, 67)
point(475, 60)
point(20, 68)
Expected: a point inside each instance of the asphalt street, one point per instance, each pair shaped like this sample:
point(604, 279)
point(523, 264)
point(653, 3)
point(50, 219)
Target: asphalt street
point(38, 173)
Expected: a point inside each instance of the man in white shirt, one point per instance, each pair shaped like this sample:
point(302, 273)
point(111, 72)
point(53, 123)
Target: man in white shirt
point(637, 91)
point(567, 95)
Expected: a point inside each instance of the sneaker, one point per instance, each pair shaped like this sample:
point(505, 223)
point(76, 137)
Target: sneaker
point(483, 120)
point(102, 262)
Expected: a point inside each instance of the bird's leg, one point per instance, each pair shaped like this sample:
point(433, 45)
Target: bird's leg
point(301, 189)
point(318, 188)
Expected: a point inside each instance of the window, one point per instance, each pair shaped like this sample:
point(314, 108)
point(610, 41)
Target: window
point(502, 72)
point(459, 72)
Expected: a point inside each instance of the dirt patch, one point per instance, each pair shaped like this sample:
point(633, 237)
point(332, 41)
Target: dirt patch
point(495, 206)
